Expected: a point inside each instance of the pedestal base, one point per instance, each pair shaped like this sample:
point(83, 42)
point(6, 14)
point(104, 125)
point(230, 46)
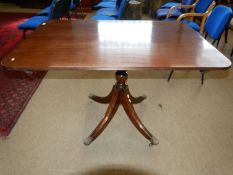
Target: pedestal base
point(120, 95)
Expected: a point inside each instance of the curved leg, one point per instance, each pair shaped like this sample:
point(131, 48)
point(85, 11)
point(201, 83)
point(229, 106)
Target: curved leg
point(129, 109)
point(112, 108)
point(103, 100)
point(136, 100)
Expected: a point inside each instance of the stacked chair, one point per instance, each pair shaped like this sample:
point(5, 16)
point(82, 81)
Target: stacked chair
point(200, 9)
point(218, 20)
point(108, 4)
point(56, 10)
point(110, 13)
point(214, 26)
point(73, 6)
point(162, 12)
point(168, 5)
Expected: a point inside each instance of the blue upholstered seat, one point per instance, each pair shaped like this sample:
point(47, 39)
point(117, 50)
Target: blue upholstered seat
point(202, 7)
point(113, 12)
point(106, 4)
point(107, 12)
point(102, 17)
point(217, 21)
point(57, 9)
point(44, 12)
point(170, 4)
point(33, 22)
point(118, 16)
point(162, 12)
point(192, 24)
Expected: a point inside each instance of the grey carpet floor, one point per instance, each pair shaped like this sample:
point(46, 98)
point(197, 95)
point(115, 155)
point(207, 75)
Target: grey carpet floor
point(193, 122)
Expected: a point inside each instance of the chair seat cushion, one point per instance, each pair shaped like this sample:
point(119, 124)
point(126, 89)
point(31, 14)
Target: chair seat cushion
point(107, 12)
point(101, 17)
point(106, 4)
point(33, 22)
point(192, 24)
point(170, 4)
point(44, 12)
point(161, 13)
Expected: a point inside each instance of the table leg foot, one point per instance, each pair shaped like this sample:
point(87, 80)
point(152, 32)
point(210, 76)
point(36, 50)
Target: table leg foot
point(88, 141)
point(153, 141)
point(112, 108)
point(131, 113)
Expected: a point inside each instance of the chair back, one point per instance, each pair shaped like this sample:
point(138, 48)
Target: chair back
point(218, 21)
point(202, 6)
point(52, 6)
point(58, 8)
point(74, 4)
point(121, 9)
point(66, 7)
point(187, 2)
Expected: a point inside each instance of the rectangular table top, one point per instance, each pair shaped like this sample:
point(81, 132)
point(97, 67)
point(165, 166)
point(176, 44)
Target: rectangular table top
point(115, 45)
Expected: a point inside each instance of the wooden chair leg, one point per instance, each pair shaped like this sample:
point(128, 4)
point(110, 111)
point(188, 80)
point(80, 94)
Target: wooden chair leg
point(232, 52)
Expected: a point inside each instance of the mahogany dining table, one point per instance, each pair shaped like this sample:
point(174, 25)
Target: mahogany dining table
point(118, 45)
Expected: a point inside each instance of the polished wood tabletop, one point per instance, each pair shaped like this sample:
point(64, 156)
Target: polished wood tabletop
point(115, 45)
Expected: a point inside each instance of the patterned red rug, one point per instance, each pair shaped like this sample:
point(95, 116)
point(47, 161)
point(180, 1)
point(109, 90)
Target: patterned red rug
point(16, 88)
